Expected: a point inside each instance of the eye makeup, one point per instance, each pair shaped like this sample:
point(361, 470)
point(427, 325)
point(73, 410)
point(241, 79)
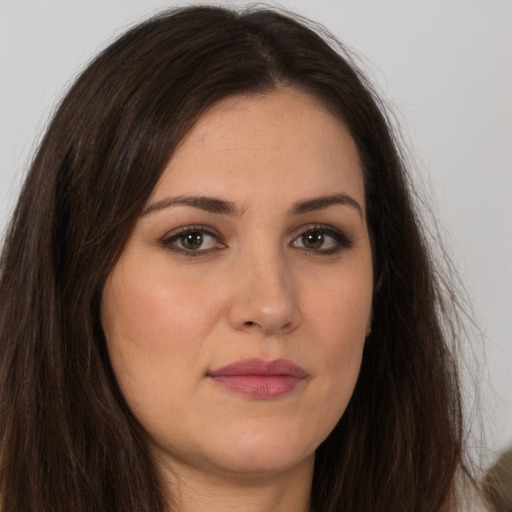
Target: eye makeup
point(200, 240)
point(193, 240)
point(322, 240)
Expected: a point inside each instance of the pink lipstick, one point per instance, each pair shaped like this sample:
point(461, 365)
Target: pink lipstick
point(256, 378)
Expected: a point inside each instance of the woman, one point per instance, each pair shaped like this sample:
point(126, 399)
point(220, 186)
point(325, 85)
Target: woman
point(215, 292)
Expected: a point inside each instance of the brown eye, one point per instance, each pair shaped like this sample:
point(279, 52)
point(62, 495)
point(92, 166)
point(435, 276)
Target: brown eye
point(313, 240)
point(322, 240)
point(192, 241)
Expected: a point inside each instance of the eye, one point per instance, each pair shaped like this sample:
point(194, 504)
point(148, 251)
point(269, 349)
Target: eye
point(192, 240)
point(322, 239)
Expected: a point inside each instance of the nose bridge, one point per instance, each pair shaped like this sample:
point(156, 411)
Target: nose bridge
point(265, 297)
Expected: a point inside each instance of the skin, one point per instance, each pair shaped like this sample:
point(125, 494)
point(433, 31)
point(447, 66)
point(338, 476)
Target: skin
point(254, 288)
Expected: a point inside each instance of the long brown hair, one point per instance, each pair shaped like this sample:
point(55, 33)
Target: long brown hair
point(68, 439)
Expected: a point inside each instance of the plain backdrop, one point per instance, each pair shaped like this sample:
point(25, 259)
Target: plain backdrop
point(444, 68)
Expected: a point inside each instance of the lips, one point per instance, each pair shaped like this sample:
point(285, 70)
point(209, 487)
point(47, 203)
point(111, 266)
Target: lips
point(256, 378)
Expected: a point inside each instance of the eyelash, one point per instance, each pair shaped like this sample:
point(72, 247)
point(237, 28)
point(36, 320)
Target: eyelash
point(341, 240)
point(168, 241)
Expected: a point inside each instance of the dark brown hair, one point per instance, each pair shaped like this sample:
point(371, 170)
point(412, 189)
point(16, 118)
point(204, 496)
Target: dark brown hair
point(68, 439)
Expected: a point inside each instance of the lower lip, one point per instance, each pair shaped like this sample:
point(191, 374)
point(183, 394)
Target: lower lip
point(259, 386)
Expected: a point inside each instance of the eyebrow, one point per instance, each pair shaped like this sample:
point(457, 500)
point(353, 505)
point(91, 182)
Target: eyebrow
point(319, 203)
point(209, 204)
point(223, 207)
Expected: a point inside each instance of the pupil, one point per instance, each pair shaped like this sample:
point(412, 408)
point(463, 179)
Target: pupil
point(313, 240)
point(193, 240)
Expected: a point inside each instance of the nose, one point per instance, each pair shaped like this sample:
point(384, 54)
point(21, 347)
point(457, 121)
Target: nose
point(264, 297)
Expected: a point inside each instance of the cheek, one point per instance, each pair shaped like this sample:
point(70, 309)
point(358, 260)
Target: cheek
point(338, 320)
point(340, 359)
point(339, 306)
point(155, 311)
point(154, 332)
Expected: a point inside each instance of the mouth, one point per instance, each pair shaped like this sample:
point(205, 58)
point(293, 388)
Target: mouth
point(259, 379)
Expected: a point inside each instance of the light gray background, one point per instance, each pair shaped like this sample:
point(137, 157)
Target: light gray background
point(444, 66)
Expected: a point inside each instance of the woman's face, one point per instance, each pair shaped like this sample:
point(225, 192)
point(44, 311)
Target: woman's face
point(236, 315)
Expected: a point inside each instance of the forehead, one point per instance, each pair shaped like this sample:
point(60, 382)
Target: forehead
point(284, 141)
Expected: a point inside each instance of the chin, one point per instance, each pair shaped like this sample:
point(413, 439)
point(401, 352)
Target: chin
point(262, 464)
point(263, 451)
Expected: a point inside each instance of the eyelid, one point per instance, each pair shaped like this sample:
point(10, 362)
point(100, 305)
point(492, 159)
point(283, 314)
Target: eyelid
point(167, 240)
point(342, 240)
point(340, 237)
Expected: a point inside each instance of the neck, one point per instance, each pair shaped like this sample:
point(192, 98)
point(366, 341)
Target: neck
point(194, 490)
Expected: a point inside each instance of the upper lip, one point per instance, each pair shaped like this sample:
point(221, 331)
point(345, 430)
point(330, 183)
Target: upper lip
point(260, 367)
